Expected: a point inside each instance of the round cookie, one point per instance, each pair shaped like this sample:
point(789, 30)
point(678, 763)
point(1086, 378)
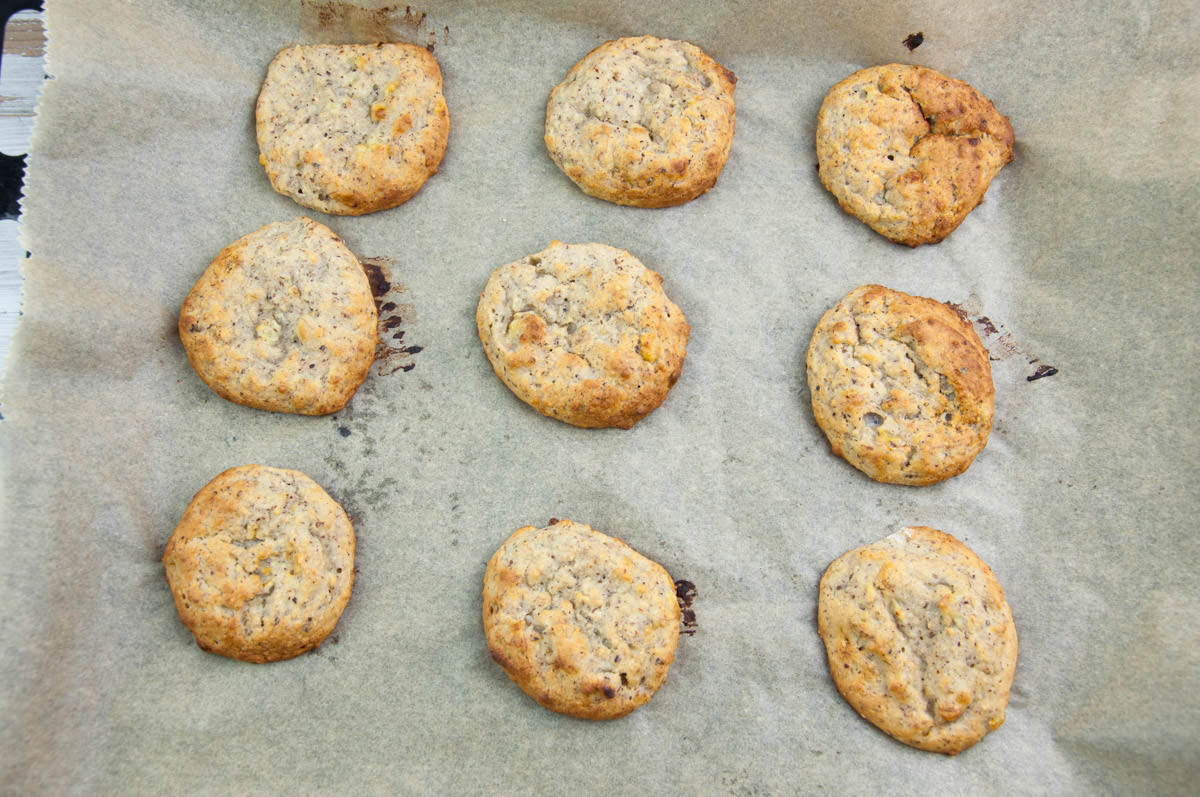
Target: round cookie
point(642, 121)
point(901, 385)
point(920, 639)
point(909, 151)
point(261, 564)
point(584, 624)
point(283, 320)
point(583, 333)
point(351, 128)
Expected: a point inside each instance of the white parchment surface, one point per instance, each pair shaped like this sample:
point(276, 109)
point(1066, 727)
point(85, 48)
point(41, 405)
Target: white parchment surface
point(1080, 266)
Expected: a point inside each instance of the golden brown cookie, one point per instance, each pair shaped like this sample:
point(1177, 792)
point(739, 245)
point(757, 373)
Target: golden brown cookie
point(282, 320)
point(351, 128)
point(261, 564)
point(909, 151)
point(584, 624)
point(901, 385)
point(920, 639)
point(583, 333)
point(642, 121)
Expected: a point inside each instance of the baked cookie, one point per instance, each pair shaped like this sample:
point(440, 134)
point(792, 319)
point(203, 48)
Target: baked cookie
point(901, 385)
point(909, 151)
point(261, 564)
point(584, 624)
point(282, 320)
point(919, 638)
point(583, 333)
point(351, 128)
point(642, 121)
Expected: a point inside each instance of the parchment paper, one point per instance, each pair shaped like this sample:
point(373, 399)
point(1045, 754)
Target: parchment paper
point(1081, 261)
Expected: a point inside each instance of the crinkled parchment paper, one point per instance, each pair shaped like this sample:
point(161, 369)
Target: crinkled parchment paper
point(1080, 268)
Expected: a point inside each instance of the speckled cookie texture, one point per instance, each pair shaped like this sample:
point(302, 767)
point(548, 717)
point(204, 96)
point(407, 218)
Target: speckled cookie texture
point(901, 385)
point(909, 151)
point(351, 128)
point(643, 121)
point(261, 564)
point(583, 333)
point(283, 320)
point(920, 639)
point(584, 624)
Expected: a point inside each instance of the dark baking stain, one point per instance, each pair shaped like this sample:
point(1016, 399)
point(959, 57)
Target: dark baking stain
point(988, 327)
point(914, 40)
point(685, 591)
point(958, 308)
point(332, 22)
point(1000, 343)
point(1042, 371)
point(395, 318)
point(413, 19)
point(341, 23)
point(344, 431)
point(378, 276)
point(431, 38)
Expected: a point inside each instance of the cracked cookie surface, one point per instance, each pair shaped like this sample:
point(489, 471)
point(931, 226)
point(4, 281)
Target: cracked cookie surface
point(352, 128)
point(909, 151)
point(901, 386)
point(583, 333)
point(584, 624)
point(282, 320)
point(642, 121)
point(261, 564)
point(920, 639)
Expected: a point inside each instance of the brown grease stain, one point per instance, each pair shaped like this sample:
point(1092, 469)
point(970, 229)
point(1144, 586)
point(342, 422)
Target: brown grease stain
point(1043, 370)
point(395, 318)
point(1000, 343)
point(332, 22)
point(685, 592)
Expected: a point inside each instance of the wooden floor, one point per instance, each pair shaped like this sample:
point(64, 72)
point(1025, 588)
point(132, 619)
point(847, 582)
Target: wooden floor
point(21, 78)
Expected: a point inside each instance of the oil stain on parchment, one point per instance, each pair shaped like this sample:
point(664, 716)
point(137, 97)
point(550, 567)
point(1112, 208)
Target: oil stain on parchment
point(685, 592)
point(1000, 343)
point(332, 22)
point(396, 318)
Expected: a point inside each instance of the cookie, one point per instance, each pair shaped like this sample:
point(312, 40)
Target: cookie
point(583, 333)
point(584, 624)
point(283, 320)
point(920, 639)
point(351, 128)
point(642, 121)
point(909, 151)
point(901, 385)
point(261, 564)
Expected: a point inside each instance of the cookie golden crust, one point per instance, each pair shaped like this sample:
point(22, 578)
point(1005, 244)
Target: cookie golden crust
point(583, 333)
point(901, 386)
point(351, 128)
point(261, 564)
point(642, 121)
point(920, 639)
point(282, 320)
point(909, 151)
point(584, 624)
